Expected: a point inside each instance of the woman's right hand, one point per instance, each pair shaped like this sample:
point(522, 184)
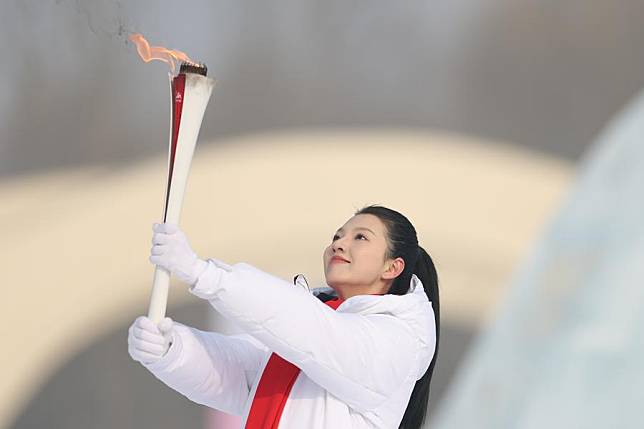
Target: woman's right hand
point(148, 343)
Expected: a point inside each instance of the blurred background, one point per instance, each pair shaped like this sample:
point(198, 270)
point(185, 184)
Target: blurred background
point(508, 132)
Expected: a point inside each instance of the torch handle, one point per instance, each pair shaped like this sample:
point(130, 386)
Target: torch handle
point(161, 282)
point(159, 297)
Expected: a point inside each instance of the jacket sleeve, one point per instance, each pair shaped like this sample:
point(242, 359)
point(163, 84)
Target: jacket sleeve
point(210, 368)
point(361, 359)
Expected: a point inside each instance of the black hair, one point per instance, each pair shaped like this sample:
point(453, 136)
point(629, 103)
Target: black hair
point(402, 242)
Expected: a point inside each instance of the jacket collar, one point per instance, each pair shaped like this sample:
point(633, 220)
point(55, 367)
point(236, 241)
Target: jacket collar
point(371, 303)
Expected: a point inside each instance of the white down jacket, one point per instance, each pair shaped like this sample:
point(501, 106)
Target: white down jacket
point(358, 363)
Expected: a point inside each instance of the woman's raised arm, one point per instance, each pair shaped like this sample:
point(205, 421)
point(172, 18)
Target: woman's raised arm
point(210, 368)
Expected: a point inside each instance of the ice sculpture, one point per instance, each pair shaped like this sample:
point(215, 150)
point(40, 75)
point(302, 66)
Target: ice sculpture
point(567, 347)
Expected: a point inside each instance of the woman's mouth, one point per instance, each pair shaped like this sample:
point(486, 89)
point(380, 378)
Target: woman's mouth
point(338, 259)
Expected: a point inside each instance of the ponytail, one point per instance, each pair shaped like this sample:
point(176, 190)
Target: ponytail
point(416, 411)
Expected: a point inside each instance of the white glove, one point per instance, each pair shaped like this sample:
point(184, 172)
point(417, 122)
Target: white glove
point(171, 250)
point(148, 343)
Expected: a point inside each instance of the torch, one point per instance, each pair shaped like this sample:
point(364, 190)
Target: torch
point(190, 90)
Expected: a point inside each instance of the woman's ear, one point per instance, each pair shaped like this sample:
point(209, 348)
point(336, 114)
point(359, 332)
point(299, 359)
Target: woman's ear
point(393, 268)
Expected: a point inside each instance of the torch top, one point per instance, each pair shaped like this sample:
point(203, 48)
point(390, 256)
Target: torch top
point(187, 67)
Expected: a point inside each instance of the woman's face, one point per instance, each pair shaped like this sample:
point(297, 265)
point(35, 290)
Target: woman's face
point(355, 262)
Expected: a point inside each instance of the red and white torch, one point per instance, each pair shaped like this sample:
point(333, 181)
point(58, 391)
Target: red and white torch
point(190, 90)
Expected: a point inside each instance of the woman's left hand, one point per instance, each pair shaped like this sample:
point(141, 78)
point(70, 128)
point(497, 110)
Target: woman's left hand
point(171, 250)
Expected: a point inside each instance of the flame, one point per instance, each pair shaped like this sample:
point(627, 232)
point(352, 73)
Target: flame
point(149, 53)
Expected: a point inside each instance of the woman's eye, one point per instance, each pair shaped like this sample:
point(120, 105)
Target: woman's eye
point(335, 237)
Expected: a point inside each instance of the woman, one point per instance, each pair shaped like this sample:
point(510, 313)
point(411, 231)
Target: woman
point(358, 353)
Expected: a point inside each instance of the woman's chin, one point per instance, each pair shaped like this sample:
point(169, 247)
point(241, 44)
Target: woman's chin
point(335, 281)
point(331, 281)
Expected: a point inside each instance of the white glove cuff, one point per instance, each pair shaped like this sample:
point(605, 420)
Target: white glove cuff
point(171, 355)
point(200, 267)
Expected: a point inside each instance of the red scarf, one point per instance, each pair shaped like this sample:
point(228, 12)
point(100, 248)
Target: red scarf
point(274, 387)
